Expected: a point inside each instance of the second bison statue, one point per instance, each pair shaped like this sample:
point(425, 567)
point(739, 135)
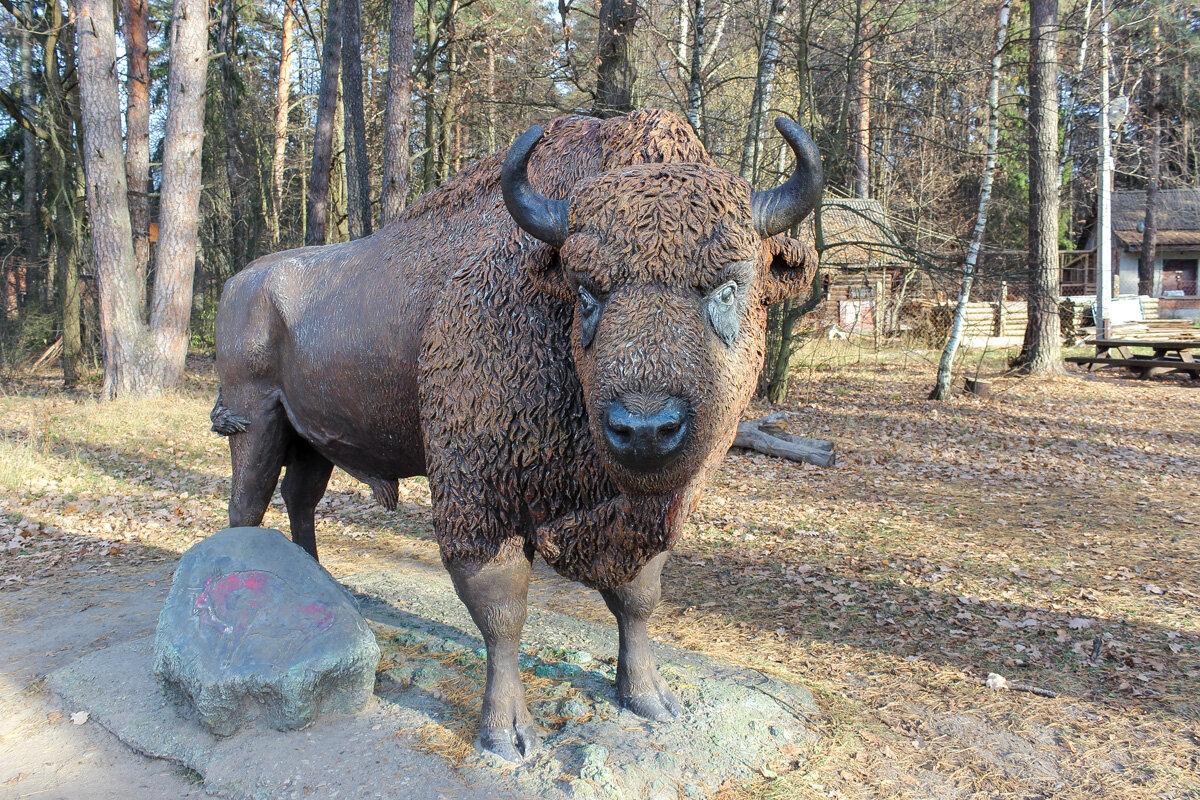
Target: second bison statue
point(563, 338)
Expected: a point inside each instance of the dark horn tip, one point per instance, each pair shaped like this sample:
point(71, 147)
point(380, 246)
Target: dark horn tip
point(539, 216)
point(518, 154)
point(776, 210)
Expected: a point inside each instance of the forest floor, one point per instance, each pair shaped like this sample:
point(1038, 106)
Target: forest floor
point(1049, 533)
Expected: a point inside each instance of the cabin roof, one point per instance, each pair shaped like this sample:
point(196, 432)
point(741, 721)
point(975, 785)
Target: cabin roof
point(1178, 210)
point(856, 233)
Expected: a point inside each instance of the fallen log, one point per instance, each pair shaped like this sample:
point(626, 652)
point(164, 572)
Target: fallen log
point(766, 436)
point(48, 356)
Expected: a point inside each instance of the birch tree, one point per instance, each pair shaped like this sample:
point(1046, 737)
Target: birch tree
point(764, 85)
point(941, 390)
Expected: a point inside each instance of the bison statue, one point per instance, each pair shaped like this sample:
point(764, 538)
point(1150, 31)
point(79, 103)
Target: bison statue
point(562, 338)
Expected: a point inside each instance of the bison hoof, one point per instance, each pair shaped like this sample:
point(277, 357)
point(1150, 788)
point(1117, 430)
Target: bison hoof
point(514, 743)
point(660, 705)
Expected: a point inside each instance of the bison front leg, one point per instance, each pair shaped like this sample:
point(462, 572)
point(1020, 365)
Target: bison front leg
point(639, 686)
point(496, 596)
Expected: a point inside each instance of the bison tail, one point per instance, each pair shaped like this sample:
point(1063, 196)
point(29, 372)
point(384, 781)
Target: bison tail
point(225, 421)
point(386, 492)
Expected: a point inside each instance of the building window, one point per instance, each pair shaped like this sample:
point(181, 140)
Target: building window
point(1179, 277)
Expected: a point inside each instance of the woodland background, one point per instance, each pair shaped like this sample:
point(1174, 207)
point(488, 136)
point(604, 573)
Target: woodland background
point(300, 145)
point(1046, 532)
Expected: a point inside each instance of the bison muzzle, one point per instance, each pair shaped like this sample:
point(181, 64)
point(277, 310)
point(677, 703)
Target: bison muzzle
point(562, 338)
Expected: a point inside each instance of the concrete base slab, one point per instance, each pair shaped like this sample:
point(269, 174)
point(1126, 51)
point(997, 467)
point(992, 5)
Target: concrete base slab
point(365, 755)
point(739, 720)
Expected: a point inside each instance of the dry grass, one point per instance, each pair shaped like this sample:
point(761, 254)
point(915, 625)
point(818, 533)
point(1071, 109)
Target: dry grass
point(1047, 533)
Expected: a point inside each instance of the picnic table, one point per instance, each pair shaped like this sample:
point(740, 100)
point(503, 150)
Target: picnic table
point(1169, 355)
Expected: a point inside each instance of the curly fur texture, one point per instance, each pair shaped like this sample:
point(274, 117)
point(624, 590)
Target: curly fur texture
point(447, 345)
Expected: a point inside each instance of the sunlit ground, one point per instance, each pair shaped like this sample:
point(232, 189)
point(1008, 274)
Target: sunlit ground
point(1048, 533)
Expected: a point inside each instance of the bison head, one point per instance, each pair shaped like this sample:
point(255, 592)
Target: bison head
point(670, 268)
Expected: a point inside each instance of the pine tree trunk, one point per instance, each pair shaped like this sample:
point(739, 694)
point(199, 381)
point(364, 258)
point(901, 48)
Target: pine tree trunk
point(31, 229)
point(446, 115)
point(282, 103)
point(67, 188)
point(125, 344)
point(862, 122)
point(1041, 353)
point(321, 174)
point(941, 390)
point(616, 71)
point(1147, 271)
point(358, 183)
point(1188, 169)
point(175, 260)
point(137, 132)
point(68, 225)
point(241, 158)
point(397, 115)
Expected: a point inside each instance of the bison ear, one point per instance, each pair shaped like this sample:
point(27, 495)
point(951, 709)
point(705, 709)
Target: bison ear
point(791, 269)
point(546, 271)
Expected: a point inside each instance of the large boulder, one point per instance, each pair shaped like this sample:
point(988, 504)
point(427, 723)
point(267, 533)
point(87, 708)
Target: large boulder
point(253, 626)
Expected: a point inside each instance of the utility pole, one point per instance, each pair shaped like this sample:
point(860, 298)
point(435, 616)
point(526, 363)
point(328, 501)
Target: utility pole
point(1104, 266)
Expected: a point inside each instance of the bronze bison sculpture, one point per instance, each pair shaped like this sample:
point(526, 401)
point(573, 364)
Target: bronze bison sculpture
point(562, 338)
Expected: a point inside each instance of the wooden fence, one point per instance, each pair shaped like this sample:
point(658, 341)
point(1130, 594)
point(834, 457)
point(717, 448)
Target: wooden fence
point(1010, 317)
point(996, 319)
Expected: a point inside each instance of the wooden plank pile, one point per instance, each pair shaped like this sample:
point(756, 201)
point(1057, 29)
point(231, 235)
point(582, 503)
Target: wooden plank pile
point(1158, 330)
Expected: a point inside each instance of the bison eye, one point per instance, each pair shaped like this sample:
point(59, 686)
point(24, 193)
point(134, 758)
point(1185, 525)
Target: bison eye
point(721, 305)
point(726, 293)
point(589, 316)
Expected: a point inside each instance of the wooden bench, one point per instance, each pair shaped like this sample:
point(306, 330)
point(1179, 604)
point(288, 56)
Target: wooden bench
point(1146, 367)
point(1170, 355)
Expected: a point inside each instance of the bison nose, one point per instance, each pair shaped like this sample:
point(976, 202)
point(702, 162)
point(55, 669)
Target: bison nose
point(647, 440)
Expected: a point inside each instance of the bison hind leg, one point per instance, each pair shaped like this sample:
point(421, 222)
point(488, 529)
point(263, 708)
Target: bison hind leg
point(303, 487)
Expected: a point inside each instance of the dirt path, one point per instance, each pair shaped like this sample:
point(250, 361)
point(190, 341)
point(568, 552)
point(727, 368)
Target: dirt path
point(43, 754)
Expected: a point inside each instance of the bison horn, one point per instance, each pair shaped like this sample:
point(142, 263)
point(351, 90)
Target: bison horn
point(538, 215)
point(776, 210)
